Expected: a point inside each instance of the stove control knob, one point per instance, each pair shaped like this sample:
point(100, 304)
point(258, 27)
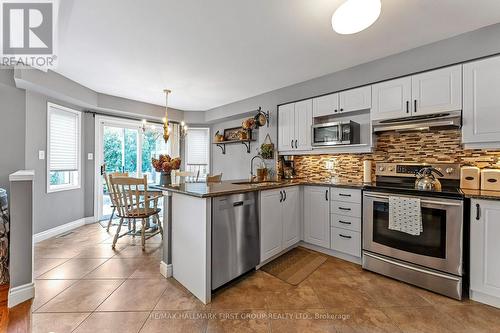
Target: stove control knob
point(449, 171)
point(381, 168)
point(391, 169)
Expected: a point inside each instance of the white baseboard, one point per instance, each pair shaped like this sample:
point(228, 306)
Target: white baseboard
point(90, 220)
point(61, 229)
point(484, 298)
point(166, 269)
point(20, 294)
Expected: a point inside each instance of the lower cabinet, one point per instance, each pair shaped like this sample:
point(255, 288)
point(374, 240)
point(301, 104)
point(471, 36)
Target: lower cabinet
point(484, 251)
point(279, 220)
point(317, 215)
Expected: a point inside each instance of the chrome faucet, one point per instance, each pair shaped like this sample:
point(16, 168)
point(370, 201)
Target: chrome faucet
point(251, 165)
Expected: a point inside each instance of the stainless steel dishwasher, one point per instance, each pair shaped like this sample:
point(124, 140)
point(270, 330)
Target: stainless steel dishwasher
point(235, 236)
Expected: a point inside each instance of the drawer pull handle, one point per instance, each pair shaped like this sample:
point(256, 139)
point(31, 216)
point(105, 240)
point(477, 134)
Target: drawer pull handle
point(478, 212)
point(342, 208)
point(492, 180)
point(344, 222)
point(344, 236)
point(344, 195)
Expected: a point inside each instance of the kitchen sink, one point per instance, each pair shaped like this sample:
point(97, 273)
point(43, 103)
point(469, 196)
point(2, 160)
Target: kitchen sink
point(258, 183)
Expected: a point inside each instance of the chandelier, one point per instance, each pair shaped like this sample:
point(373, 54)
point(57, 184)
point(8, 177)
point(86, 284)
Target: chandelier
point(166, 130)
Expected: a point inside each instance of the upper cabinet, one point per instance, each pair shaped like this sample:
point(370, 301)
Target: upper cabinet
point(481, 112)
point(294, 126)
point(427, 93)
point(391, 99)
point(342, 102)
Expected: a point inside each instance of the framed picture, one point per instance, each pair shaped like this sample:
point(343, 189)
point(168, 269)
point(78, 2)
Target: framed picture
point(233, 134)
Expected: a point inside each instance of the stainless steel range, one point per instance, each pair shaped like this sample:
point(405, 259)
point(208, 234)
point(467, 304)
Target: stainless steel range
point(433, 259)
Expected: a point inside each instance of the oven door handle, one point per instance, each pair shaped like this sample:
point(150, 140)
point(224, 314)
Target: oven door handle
point(392, 262)
point(432, 202)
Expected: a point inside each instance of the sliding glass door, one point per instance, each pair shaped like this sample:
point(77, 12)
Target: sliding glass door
point(127, 147)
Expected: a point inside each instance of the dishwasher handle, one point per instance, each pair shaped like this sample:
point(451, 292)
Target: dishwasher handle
point(237, 203)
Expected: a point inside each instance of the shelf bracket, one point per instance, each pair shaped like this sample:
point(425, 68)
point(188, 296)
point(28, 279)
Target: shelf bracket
point(247, 144)
point(222, 147)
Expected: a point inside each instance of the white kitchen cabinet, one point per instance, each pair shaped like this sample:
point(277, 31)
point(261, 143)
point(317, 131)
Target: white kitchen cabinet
point(355, 99)
point(279, 220)
point(303, 123)
point(291, 216)
point(294, 126)
point(317, 215)
point(484, 250)
point(437, 91)
point(391, 99)
point(286, 127)
point(326, 105)
point(481, 110)
point(271, 224)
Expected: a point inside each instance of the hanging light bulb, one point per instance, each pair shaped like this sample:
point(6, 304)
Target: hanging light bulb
point(166, 129)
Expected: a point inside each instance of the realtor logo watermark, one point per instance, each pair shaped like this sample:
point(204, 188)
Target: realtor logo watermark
point(28, 34)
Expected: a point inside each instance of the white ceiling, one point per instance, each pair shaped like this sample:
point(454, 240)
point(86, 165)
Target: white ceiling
point(214, 52)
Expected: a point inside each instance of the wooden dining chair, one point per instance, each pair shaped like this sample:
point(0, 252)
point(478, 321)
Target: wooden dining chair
point(185, 174)
point(134, 202)
point(108, 185)
point(214, 178)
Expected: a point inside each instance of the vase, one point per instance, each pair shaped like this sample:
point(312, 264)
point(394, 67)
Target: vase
point(165, 179)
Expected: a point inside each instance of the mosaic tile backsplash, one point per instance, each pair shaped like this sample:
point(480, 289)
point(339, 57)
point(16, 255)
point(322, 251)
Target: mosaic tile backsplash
point(409, 147)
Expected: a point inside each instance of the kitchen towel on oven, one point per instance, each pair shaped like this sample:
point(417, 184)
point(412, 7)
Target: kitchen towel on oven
point(405, 215)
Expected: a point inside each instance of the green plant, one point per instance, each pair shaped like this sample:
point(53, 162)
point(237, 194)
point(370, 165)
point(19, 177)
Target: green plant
point(267, 151)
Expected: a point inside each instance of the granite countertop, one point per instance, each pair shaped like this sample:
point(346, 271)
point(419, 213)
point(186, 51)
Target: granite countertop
point(226, 187)
point(481, 194)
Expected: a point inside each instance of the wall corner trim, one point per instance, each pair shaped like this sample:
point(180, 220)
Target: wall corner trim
point(41, 236)
point(20, 294)
point(166, 269)
point(22, 175)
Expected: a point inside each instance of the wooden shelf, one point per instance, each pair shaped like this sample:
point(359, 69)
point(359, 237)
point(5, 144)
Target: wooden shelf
point(222, 145)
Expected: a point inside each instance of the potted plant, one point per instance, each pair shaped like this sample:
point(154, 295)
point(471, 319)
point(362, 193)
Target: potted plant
point(165, 164)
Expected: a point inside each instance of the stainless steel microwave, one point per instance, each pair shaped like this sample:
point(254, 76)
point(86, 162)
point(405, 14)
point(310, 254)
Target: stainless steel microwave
point(335, 133)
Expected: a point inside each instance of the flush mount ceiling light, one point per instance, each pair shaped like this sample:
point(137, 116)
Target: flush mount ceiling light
point(355, 15)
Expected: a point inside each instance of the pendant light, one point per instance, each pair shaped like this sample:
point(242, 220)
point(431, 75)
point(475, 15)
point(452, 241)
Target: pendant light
point(166, 130)
point(355, 15)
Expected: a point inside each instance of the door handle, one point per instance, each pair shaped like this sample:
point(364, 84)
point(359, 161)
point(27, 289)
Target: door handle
point(342, 208)
point(344, 222)
point(344, 236)
point(291, 143)
point(238, 203)
point(407, 106)
point(415, 106)
point(344, 195)
point(296, 144)
point(284, 192)
point(326, 195)
point(478, 212)
point(341, 110)
point(281, 196)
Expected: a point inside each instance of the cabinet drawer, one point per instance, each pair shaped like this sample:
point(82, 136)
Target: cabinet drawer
point(346, 222)
point(346, 195)
point(346, 208)
point(346, 241)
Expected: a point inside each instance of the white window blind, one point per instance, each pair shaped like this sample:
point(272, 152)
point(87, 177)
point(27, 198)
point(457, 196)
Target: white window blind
point(64, 139)
point(197, 146)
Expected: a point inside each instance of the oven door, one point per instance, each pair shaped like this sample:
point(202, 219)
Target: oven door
point(439, 246)
point(326, 134)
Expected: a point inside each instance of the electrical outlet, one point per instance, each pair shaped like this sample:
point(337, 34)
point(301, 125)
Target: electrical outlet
point(329, 165)
point(90, 156)
point(41, 154)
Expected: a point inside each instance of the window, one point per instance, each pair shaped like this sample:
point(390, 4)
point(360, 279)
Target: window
point(197, 150)
point(63, 148)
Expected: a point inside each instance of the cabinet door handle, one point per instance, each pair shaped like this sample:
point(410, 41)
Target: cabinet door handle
point(342, 208)
point(407, 106)
point(296, 144)
point(326, 195)
point(281, 196)
point(341, 110)
point(415, 106)
point(284, 192)
point(335, 110)
point(344, 195)
point(478, 212)
point(344, 222)
point(291, 143)
point(344, 236)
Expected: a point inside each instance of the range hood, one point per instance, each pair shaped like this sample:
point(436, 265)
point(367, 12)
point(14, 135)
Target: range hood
point(419, 123)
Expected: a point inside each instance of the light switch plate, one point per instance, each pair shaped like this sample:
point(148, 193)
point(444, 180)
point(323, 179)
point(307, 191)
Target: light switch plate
point(90, 156)
point(41, 154)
